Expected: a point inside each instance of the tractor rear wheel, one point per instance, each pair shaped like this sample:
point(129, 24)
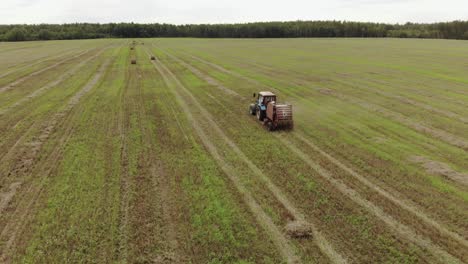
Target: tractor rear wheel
point(270, 126)
point(260, 114)
point(252, 109)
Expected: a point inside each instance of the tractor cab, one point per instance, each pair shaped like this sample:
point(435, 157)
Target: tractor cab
point(265, 97)
point(260, 106)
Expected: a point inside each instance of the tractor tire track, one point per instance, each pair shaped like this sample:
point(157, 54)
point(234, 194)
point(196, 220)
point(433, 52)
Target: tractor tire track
point(161, 184)
point(124, 189)
point(22, 79)
point(160, 179)
point(125, 185)
point(280, 240)
point(22, 213)
point(52, 84)
point(394, 224)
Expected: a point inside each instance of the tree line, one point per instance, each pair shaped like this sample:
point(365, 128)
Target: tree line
point(293, 29)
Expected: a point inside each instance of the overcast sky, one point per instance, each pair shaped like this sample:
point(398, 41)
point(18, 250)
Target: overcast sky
point(224, 11)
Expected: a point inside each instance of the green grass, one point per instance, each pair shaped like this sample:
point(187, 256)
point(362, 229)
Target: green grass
point(133, 174)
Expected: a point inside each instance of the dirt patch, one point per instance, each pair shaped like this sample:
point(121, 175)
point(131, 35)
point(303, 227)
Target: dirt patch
point(298, 229)
point(440, 168)
point(6, 197)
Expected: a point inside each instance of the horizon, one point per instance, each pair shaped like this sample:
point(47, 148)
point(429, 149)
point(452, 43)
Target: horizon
point(180, 12)
point(236, 23)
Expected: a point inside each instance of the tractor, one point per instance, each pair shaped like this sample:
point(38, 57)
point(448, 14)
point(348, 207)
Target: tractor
point(270, 113)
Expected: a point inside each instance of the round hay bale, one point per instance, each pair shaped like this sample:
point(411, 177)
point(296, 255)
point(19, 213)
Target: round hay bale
point(298, 229)
point(133, 61)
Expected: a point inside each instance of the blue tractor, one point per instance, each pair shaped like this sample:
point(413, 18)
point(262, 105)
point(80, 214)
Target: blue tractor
point(270, 113)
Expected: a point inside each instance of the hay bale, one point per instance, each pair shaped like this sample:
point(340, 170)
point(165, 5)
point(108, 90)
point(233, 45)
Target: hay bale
point(133, 61)
point(298, 229)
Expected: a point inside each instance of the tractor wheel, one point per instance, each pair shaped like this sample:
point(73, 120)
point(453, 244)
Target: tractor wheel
point(270, 126)
point(252, 109)
point(260, 115)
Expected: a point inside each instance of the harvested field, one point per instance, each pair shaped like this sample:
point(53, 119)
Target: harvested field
point(103, 159)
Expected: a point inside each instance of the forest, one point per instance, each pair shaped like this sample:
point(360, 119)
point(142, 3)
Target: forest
point(293, 29)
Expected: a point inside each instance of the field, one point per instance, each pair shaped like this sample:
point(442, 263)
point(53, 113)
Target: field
point(102, 161)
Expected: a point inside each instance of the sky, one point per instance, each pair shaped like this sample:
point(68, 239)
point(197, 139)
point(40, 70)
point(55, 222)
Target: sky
point(225, 11)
